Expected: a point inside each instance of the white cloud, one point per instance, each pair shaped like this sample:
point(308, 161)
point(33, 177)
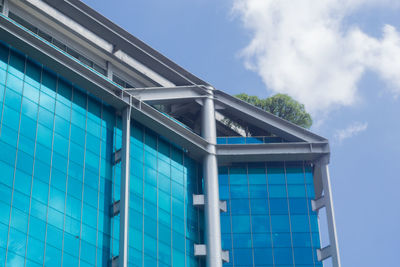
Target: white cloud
point(352, 130)
point(303, 48)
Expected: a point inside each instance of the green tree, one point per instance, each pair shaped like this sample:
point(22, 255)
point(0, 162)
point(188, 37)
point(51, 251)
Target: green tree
point(282, 106)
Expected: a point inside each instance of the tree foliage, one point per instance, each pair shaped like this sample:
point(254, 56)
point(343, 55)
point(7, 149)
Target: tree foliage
point(282, 106)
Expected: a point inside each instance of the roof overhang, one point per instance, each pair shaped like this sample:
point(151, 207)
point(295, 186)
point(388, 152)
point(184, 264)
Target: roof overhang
point(122, 40)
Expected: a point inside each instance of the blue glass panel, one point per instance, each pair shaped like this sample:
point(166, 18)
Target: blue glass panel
point(240, 206)
point(254, 140)
point(53, 256)
point(221, 140)
point(243, 257)
point(279, 206)
point(303, 256)
point(260, 223)
point(236, 140)
point(261, 240)
point(35, 250)
point(238, 176)
point(281, 240)
point(263, 256)
point(16, 242)
point(242, 241)
point(241, 224)
point(283, 256)
point(280, 223)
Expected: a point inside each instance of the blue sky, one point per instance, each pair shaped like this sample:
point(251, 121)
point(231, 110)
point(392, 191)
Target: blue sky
point(340, 58)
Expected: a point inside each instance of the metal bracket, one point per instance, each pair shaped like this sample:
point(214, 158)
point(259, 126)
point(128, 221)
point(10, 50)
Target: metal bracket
point(222, 206)
point(318, 204)
point(225, 256)
point(117, 157)
point(200, 250)
point(324, 253)
point(199, 201)
point(115, 208)
point(114, 261)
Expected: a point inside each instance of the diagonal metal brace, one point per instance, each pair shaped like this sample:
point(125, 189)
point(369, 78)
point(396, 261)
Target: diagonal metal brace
point(117, 156)
point(114, 261)
point(318, 204)
point(115, 208)
point(324, 253)
point(225, 256)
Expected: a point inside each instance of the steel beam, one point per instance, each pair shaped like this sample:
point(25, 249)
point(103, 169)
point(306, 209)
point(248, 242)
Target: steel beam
point(168, 95)
point(125, 179)
point(272, 152)
point(210, 172)
point(322, 172)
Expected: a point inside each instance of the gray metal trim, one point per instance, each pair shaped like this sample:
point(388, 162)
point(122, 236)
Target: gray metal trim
point(321, 172)
point(169, 95)
point(324, 253)
point(200, 250)
point(272, 152)
point(124, 41)
point(265, 120)
point(125, 181)
point(211, 186)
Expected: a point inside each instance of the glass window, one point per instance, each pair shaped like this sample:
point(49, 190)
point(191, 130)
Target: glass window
point(35, 250)
point(240, 206)
point(16, 242)
point(263, 256)
point(283, 256)
point(280, 223)
point(243, 257)
point(240, 224)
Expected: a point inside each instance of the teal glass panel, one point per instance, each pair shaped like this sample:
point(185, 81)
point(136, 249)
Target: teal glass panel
point(163, 180)
point(58, 209)
point(269, 220)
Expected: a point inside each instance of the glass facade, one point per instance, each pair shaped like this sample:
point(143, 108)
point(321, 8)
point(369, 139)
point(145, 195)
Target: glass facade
point(164, 224)
point(58, 180)
point(269, 220)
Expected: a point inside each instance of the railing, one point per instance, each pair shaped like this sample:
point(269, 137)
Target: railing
point(249, 140)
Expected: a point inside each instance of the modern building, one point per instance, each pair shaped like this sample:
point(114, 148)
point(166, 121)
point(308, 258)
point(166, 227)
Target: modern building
point(113, 155)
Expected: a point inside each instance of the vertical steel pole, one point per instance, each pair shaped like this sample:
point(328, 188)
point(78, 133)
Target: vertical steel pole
point(124, 202)
point(326, 183)
point(210, 172)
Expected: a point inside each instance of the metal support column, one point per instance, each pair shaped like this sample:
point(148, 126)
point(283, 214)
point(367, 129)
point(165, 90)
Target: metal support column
point(125, 179)
point(333, 248)
point(5, 8)
point(211, 187)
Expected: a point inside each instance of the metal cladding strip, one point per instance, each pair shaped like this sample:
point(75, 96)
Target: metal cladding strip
point(265, 120)
point(322, 168)
point(125, 180)
point(211, 186)
point(98, 85)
